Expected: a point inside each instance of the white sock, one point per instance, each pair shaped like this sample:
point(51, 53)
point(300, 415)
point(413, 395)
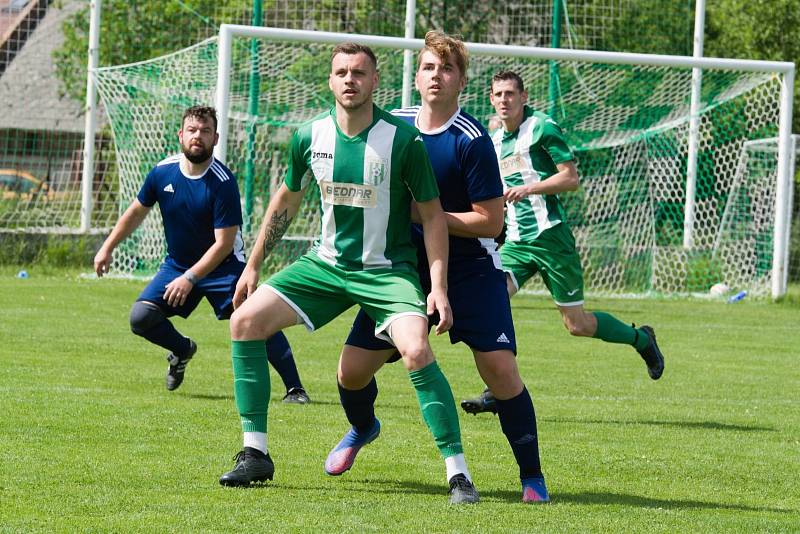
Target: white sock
point(456, 464)
point(256, 440)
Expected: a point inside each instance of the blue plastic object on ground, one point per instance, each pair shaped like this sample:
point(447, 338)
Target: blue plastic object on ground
point(737, 297)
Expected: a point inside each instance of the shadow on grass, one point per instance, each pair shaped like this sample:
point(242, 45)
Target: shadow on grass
point(211, 397)
point(394, 487)
point(206, 396)
point(638, 501)
point(587, 498)
point(705, 425)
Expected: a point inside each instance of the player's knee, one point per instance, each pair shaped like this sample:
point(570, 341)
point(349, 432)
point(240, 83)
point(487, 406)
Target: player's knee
point(356, 368)
point(144, 316)
point(571, 328)
point(498, 367)
point(416, 355)
point(240, 324)
point(353, 381)
point(246, 325)
point(577, 328)
point(508, 372)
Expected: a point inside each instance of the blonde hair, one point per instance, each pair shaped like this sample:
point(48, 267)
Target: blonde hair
point(446, 47)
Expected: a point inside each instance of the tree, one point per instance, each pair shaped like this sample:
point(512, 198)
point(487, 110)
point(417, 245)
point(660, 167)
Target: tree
point(756, 29)
point(649, 27)
point(136, 31)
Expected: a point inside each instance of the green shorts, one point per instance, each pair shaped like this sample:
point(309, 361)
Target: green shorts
point(319, 292)
point(553, 255)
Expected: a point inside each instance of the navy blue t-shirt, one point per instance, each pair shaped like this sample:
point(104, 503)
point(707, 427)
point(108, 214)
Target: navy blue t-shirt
point(465, 164)
point(192, 207)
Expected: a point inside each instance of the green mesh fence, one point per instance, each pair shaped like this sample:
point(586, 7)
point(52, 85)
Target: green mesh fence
point(628, 124)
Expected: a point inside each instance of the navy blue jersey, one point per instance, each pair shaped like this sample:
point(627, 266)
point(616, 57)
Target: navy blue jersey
point(192, 207)
point(466, 169)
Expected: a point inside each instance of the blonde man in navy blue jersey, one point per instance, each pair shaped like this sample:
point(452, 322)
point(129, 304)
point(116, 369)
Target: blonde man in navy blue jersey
point(472, 197)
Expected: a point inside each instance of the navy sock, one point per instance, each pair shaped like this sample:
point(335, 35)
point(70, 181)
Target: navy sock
point(518, 421)
point(165, 335)
point(359, 405)
point(279, 354)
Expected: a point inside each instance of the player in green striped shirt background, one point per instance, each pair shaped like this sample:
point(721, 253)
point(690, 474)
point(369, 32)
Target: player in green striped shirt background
point(536, 164)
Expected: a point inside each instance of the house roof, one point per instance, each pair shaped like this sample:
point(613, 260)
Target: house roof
point(29, 89)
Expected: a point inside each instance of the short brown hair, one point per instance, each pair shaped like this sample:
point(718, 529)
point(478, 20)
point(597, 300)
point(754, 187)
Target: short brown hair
point(201, 112)
point(354, 48)
point(506, 75)
point(446, 47)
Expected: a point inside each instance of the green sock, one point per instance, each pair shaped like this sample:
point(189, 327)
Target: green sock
point(251, 383)
point(438, 408)
point(612, 330)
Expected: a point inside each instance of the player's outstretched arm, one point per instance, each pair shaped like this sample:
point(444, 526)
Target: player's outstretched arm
point(279, 214)
point(485, 219)
point(566, 179)
point(127, 223)
point(434, 228)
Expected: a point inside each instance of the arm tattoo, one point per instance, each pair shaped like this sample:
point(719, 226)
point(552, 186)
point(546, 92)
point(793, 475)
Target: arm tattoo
point(275, 229)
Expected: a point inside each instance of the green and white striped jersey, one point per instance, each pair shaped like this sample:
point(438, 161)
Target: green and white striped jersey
point(529, 155)
point(366, 186)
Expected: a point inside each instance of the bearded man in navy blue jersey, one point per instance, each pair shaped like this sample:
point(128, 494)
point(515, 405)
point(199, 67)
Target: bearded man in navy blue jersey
point(199, 202)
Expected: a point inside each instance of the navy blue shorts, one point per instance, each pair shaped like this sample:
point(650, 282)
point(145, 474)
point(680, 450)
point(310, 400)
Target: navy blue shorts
point(480, 304)
point(217, 287)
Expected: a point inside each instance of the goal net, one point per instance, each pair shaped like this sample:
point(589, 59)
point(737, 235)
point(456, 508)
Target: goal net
point(629, 125)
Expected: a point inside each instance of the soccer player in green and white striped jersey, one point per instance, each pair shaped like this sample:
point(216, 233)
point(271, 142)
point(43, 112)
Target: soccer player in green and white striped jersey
point(536, 164)
point(369, 167)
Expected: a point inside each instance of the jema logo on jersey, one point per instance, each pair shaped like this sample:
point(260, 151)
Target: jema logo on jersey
point(322, 165)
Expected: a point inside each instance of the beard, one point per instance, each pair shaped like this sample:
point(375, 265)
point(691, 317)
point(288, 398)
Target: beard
point(197, 157)
point(351, 104)
point(362, 98)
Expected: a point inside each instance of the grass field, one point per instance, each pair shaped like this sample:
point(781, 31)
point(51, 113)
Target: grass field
point(90, 440)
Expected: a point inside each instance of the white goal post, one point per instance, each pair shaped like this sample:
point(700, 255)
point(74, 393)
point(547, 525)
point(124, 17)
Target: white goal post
point(783, 183)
